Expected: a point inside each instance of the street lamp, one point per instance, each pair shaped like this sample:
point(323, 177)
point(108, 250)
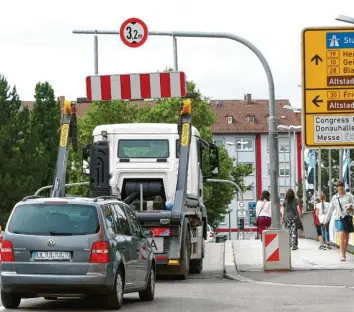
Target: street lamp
point(345, 19)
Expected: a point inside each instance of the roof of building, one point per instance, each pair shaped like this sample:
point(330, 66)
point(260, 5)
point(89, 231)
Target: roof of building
point(248, 115)
point(251, 117)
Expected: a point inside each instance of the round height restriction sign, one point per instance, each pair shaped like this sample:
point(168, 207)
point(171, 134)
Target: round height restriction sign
point(133, 32)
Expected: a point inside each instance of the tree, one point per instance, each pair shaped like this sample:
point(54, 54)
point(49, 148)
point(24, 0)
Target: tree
point(46, 125)
point(18, 165)
point(216, 196)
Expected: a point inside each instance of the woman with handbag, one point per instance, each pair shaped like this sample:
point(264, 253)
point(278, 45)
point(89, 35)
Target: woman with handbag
point(263, 213)
point(341, 207)
point(291, 215)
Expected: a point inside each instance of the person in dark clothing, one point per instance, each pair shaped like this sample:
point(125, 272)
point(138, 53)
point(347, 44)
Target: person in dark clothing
point(291, 215)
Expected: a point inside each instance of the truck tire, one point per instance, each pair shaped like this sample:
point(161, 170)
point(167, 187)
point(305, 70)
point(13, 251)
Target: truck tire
point(185, 262)
point(196, 266)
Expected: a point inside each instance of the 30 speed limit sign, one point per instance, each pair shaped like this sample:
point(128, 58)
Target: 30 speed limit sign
point(133, 32)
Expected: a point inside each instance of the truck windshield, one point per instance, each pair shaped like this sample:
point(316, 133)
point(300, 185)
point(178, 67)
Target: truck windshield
point(54, 219)
point(143, 149)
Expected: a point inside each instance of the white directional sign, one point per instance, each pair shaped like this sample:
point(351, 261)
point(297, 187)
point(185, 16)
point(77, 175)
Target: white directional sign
point(133, 32)
point(241, 214)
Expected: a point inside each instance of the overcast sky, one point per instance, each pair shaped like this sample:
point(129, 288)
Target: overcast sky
point(37, 43)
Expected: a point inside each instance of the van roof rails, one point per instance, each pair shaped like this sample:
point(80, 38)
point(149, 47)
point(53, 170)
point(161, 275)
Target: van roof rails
point(105, 197)
point(32, 197)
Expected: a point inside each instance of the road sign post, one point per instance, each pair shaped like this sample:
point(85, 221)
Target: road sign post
point(328, 87)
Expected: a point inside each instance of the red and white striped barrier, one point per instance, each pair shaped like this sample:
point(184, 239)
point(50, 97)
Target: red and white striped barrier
point(271, 242)
point(276, 250)
point(136, 86)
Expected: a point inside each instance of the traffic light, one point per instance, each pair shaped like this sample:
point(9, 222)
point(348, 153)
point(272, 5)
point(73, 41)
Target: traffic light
point(241, 225)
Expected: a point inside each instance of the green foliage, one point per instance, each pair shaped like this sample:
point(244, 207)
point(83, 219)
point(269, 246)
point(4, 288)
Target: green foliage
point(17, 163)
point(46, 126)
point(28, 144)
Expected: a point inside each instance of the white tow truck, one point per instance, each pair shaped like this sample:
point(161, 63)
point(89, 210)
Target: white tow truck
point(157, 168)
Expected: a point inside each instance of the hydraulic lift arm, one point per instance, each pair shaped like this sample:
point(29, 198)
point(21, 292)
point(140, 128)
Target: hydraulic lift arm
point(184, 131)
point(68, 135)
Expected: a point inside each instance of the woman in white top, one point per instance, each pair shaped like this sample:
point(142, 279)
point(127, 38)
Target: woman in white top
point(263, 213)
point(322, 209)
point(341, 204)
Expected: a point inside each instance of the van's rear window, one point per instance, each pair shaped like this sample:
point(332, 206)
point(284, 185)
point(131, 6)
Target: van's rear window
point(54, 219)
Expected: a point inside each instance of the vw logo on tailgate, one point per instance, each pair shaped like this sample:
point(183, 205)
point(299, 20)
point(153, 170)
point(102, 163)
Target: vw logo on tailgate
point(51, 243)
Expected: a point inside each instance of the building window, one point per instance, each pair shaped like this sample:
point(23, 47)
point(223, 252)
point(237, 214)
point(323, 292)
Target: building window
point(268, 168)
point(251, 119)
point(284, 172)
point(249, 194)
point(219, 142)
point(250, 165)
point(246, 144)
point(283, 148)
point(223, 222)
point(229, 119)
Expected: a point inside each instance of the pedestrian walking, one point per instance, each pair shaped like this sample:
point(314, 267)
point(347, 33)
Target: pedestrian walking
point(322, 209)
point(316, 222)
point(291, 216)
point(341, 207)
point(263, 213)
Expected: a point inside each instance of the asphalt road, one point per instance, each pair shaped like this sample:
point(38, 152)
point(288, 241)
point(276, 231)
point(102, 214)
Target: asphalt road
point(210, 292)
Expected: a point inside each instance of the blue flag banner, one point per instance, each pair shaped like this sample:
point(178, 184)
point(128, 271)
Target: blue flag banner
point(310, 160)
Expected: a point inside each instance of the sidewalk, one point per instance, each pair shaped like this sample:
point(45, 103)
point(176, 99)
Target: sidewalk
point(248, 257)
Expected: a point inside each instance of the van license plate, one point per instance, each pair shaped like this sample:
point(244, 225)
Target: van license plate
point(156, 244)
point(51, 255)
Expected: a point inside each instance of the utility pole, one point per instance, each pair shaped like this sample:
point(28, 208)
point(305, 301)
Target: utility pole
point(175, 54)
point(330, 184)
point(319, 180)
point(290, 167)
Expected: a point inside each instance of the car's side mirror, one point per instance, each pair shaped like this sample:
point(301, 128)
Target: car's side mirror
point(214, 159)
point(86, 152)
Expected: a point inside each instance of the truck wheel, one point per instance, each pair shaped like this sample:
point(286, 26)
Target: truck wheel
point(196, 266)
point(185, 263)
point(10, 300)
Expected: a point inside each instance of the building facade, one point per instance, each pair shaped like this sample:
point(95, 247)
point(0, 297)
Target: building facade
point(242, 129)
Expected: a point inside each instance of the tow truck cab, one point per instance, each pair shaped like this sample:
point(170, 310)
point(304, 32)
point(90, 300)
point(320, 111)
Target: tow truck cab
point(145, 155)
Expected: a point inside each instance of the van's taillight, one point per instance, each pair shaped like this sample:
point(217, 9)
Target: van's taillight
point(7, 252)
point(99, 253)
point(211, 234)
